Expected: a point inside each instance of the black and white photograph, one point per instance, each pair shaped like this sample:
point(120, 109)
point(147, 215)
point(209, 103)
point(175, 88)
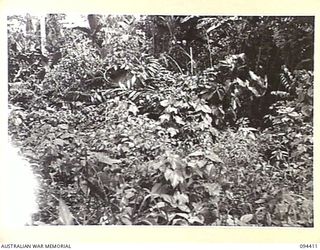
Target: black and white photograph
point(159, 120)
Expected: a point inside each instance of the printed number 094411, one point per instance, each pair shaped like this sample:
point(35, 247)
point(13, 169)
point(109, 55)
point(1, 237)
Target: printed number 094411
point(307, 246)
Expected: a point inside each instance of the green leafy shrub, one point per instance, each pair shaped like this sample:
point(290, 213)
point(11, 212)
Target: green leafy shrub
point(123, 138)
point(25, 60)
point(289, 147)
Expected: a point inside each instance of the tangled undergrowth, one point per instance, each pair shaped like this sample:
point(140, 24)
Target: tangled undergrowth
point(120, 138)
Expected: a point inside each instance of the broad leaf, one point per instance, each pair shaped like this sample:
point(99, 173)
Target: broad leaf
point(214, 157)
point(179, 120)
point(164, 103)
point(164, 117)
point(175, 177)
point(103, 158)
point(59, 142)
point(213, 188)
point(64, 213)
point(246, 218)
point(197, 153)
point(180, 198)
point(125, 220)
point(63, 126)
point(159, 188)
point(67, 136)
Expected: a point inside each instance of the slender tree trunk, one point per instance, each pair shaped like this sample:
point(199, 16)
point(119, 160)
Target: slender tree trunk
point(43, 37)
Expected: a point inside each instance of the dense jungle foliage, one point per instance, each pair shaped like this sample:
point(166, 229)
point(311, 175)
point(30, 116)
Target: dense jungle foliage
point(165, 120)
